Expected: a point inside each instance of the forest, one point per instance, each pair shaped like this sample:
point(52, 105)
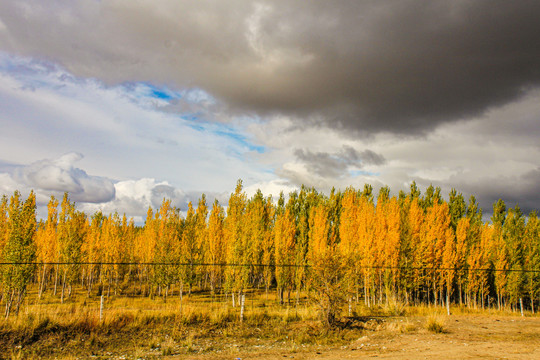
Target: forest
point(345, 247)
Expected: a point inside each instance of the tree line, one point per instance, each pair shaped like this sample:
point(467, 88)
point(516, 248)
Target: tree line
point(342, 248)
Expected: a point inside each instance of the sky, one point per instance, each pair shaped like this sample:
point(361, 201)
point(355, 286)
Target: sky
point(123, 103)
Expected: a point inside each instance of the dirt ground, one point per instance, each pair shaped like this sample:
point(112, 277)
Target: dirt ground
point(465, 337)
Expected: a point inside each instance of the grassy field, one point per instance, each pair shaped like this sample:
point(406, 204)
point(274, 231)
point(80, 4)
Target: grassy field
point(206, 327)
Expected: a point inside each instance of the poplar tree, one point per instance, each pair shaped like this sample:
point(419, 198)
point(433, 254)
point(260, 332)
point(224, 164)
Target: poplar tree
point(349, 232)
point(327, 266)
point(512, 233)
point(167, 250)
point(236, 277)
point(4, 222)
point(19, 251)
point(531, 241)
point(201, 235)
point(499, 251)
point(457, 206)
point(216, 246)
point(47, 243)
point(256, 227)
point(72, 228)
point(462, 254)
point(284, 240)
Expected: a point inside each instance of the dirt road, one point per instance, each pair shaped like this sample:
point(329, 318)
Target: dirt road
point(466, 337)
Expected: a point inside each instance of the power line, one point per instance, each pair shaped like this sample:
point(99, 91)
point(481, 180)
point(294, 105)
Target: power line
point(265, 265)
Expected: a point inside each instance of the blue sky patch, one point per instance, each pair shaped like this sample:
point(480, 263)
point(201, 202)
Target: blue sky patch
point(161, 94)
point(240, 139)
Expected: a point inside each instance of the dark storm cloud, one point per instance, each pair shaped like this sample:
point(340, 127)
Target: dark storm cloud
point(336, 165)
point(522, 190)
point(399, 66)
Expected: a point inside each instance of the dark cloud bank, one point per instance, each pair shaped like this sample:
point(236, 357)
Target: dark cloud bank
point(398, 66)
point(336, 165)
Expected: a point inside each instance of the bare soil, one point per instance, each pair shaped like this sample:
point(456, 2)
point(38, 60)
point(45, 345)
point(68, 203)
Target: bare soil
point(465, 337)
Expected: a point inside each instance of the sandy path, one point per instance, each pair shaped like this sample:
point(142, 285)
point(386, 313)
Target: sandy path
point(467, 337)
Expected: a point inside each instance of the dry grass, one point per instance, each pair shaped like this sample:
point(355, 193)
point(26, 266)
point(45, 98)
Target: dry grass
point(436, 324)
point(144, 327)
point(139, 325)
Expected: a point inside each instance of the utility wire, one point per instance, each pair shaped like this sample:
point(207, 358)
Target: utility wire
point(267, 265)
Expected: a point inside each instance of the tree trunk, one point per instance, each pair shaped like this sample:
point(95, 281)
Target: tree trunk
point(63, 287)
point(90, 280)
point(181, 295)
point(242, 305)
point(42, 283)
point(19, 300)
point(9, 301)
point(55, 279)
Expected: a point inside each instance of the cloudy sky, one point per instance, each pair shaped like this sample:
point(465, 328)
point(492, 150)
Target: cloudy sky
point(123, 102)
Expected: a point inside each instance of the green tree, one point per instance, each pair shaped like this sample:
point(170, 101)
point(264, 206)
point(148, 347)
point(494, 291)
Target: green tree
point(236, 277)
point(512, 232)
point(19, 251)
point(500, 256)
point(167, 249)
point(72, 227)
point(532, 258)
point(216, 245)
point(457, 206)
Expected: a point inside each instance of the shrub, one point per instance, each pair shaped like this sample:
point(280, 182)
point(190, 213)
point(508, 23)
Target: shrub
point(435, 324)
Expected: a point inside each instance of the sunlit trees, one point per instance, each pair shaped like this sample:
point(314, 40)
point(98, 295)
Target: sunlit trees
point(531, 240)
point(499, 251)
point(167, 252)
point(391, 246)
point(284, 242)
point(462, 251)
point(46, 242)
point(4, 219)
point(215, 254)
point(348, 246)
point(201, 235)
point(478, 263)
point(512, 233)
point(145, 249)
point(19, 250)
point(189, 249)
point(256, 229)
point(236, 275)
point(337, 247)
point(434, 235)
point(267, 245)
point(366, 249)
point(326, 274)
point(72, 227)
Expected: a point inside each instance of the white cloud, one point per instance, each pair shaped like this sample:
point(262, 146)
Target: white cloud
point(273, 187)
point(60, 175)
point(54, 177)
point(118, 129)
point(134, 197)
